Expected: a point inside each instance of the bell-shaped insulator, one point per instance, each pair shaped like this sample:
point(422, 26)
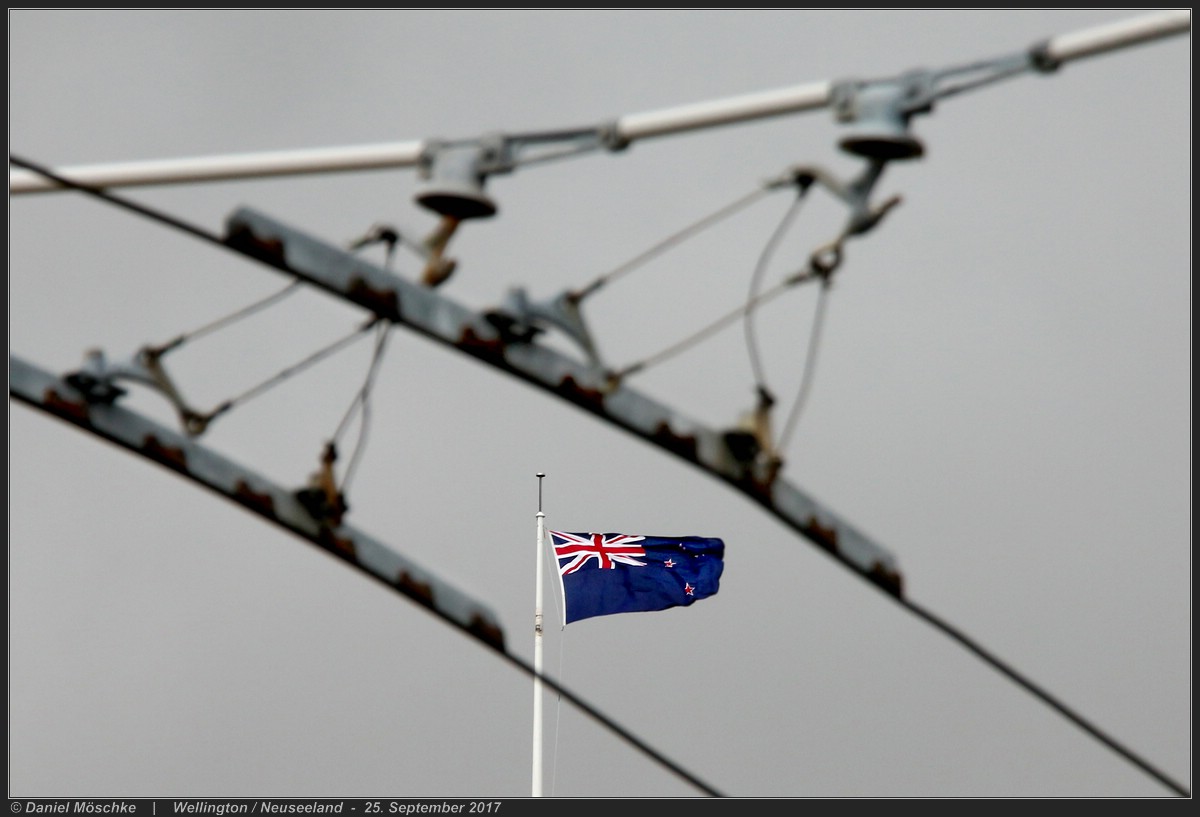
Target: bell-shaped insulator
point(882, 140)
point(454, 185)
point(880, 127)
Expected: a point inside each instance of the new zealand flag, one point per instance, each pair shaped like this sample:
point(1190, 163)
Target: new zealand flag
point(605, 573)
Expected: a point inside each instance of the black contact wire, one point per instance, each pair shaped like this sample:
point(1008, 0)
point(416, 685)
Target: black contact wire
point(1045, 696)
point(553, 684)
point(120, 201)
point(170, 221)
point(202, 234)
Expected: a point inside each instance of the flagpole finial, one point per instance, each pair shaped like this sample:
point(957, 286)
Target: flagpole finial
point(539, 475)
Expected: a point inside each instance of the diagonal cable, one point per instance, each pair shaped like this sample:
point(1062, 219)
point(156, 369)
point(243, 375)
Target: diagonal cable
point(363, 400)
point(671, 241)
point(716, 326)
point(760, 267)
point(233, 317)
point(810, 365)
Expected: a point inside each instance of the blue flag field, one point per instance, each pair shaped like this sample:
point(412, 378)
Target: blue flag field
point(606, 573)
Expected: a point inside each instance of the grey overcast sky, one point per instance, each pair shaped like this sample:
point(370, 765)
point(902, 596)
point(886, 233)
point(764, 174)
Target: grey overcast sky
point(1002, 400)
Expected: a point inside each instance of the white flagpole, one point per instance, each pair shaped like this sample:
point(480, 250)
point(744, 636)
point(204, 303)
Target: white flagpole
point(537, 651)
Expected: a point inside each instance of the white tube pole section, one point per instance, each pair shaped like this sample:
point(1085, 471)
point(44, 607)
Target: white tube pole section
point(1103, 38)
point(631, 127)
point(724, 111)
point(537, 651)
point(214, 168)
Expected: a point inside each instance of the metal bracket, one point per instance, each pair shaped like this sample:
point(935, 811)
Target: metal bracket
point(95, 380)
point(321, 497)
point(880, 110)
point(478, 335)
point(431, 249)
point(855, 194)
point(256, 493)
point(455, 172)
point(522, 319)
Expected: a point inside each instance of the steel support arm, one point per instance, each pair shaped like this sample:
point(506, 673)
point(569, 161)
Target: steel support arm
point(140, 435)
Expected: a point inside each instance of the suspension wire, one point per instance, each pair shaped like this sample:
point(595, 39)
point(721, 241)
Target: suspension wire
point(363, 399)
point(1054, 703)
point(671, 241)
point(764, 258)
point(362, 391)
point(294, 369)
point(589, 710)
point(221, 323)
point(390, 237)
point(717, 325)
point(1001, 70)
point(178, 224)
point(384, 234)
point(810, 364)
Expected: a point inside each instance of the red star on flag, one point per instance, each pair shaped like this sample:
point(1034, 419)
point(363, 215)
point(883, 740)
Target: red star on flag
point(687, 588)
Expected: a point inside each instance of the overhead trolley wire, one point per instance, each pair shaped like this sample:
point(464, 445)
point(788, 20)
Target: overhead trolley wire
point(574, 699)
point(930, 618)
point(120, 201)
point(1049, 699)
point(220, 323)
